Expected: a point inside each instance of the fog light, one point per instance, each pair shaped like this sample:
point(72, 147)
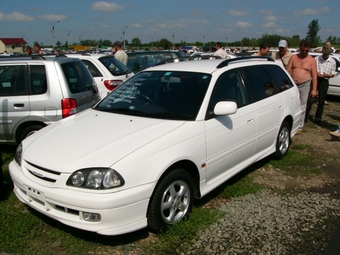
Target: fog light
point(93, 217)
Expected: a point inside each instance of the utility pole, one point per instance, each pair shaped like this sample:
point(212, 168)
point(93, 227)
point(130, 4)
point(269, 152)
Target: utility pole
point(173, 39)
point(80, 40)
point(53, 31)
point(68, 39)
point(151, 43)
point(203, 38)
point(124, 36)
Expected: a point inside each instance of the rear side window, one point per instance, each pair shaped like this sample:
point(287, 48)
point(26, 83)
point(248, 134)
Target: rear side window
point(115, 67)
point(78, 77)
point(259, 83)
point(280, 78)
point(12, 79)
point(92, 69)
point(38, 80)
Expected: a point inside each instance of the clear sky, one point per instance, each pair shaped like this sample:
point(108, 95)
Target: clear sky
point(152, 20)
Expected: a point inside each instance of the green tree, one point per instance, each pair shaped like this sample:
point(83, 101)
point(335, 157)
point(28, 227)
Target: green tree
point(332, 39)
point(164, 43)
point(245, 42)
point(272, 40)
point(312, 33)
point(294, 41)
point(136, 41)
point(58, 44)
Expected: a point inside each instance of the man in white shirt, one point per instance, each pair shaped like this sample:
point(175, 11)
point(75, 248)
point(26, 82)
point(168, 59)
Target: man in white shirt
point(120, 53)
point(220, 51)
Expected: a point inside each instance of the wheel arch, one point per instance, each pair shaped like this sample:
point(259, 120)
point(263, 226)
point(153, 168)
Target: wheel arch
point(289, 120)
point(190, 168)
point(23, 126)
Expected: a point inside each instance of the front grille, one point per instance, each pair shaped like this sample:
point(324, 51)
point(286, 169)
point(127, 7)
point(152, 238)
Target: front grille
point(42, 173)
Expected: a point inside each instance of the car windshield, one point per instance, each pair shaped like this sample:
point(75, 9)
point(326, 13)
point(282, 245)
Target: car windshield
point(115, 67)
point(160, 94)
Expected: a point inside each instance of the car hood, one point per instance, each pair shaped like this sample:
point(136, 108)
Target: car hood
point(92, 139)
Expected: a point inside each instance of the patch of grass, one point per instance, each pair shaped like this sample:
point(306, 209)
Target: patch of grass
point(299, 146)
point(297, 163)
point(241, 188)
point(180, 236)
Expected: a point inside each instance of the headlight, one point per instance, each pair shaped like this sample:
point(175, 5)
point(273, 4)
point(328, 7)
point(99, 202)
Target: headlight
point(96, 178)
point(18, 155)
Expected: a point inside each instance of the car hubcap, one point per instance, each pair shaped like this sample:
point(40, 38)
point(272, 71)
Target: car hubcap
point(175, 202)
point(283, 140)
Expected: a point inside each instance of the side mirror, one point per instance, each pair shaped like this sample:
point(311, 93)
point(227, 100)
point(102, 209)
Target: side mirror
point(225, 108)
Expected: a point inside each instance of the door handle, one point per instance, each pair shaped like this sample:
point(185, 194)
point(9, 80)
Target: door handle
point(19, 105)
point(250, 120)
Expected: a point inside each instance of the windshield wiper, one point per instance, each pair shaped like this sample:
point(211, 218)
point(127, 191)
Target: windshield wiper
point(120, 110)
point(171, 115)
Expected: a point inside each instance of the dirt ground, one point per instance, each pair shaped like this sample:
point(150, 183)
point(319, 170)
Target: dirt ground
point(322, 147)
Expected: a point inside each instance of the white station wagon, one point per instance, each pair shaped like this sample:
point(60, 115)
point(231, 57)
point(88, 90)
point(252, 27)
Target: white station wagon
point(169, 134)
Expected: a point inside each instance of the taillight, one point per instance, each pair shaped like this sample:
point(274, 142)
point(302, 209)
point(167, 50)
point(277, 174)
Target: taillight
point(112, 84)
point(68, 106)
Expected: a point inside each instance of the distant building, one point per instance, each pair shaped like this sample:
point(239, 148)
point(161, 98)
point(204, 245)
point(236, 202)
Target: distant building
point(12, 45)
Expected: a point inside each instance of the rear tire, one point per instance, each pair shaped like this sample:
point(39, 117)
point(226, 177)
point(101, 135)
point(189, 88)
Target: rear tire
point(171, 201)
point(283, 141)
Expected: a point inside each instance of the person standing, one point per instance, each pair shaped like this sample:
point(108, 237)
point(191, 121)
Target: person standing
point(326, 67)
point(302, 68)
point(38, 49)
point(120, 53)
point(264, 50)
point(284, 53)
point(28, 50)
point(220, 51)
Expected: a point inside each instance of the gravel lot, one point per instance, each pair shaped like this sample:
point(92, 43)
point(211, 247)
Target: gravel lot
point(272, 223)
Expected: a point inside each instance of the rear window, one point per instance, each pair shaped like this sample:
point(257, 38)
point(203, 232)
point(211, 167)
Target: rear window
point(115, 67)
point(78, 77)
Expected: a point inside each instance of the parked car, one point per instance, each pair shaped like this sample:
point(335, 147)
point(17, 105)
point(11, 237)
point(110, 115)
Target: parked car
point(107, 71)
point(169, 134)
point(140, 60)
point(36, 92)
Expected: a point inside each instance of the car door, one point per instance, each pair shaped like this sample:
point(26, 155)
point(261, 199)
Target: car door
point(266, 102)
point(14, 105)
point(230, 139)
point(334, 83)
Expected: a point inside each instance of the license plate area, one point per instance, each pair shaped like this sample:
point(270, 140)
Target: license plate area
point(35, 195)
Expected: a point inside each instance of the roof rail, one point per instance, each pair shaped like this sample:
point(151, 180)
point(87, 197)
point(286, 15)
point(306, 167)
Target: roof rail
point(227, 61)
point(23, 57)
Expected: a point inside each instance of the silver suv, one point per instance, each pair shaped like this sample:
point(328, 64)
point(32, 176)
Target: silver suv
point(36, 92)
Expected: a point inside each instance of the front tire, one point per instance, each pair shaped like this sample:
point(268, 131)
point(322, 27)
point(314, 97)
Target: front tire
point(171, 201)
point(283, 141)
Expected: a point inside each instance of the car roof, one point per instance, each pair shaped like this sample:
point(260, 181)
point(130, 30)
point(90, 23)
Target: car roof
point(211, 65)
point(35, 58)
point(88, 55)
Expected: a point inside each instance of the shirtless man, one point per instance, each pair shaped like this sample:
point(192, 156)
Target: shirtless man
point(302, 68)
point(38, 49)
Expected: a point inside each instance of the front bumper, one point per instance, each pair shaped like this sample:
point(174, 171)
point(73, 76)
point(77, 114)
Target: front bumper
point(120, 212)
